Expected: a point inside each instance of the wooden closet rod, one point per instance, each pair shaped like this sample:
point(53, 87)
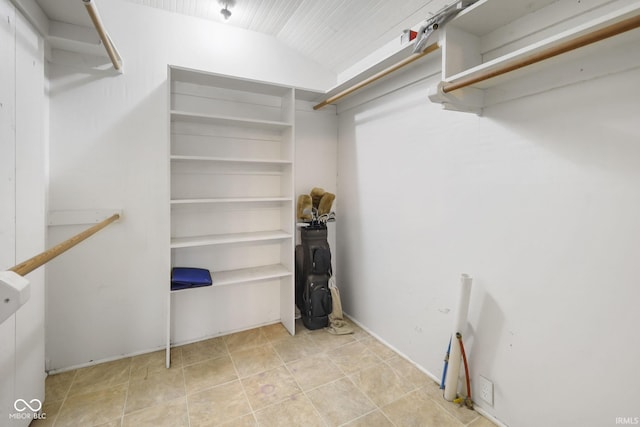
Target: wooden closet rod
point(569, 45)
point(31, 264)
point(377, 76)
point(114, 56)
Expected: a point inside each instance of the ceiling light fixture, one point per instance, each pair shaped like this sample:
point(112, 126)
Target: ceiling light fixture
point(225, 10)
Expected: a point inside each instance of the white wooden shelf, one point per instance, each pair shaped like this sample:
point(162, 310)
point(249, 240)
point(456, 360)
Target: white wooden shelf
point(223, 239)
point(486, 15)
point(205, 78)
point(231, 166)
point(542, 45)
point(215, 119)
point(177, 157)
point(230, 200)
point(478, 54)
point(244, 275)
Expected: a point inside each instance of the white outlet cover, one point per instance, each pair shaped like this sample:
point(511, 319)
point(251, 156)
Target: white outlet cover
point(486, 390)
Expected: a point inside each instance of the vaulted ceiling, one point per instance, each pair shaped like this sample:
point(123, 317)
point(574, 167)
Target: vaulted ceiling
point(335, 33)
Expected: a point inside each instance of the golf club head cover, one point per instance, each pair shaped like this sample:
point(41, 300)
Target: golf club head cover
point(304, 203)
point(324, 207)
point(316, 195)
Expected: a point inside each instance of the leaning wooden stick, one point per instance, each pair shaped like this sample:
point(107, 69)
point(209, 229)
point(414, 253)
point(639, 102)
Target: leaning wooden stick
point(31, 264)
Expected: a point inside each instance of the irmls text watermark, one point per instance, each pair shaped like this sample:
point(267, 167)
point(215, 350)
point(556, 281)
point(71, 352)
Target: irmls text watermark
point(629, 421)
point(27, 410)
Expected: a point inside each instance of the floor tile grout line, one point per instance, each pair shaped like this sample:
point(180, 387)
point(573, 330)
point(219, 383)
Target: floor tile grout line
point(64, 399)
point(126, 396)
point(244, 391)
point(304, 392)
point(184, 384)
point(345, 375)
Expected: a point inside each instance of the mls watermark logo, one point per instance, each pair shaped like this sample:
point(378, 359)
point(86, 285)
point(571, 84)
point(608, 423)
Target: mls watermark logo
point(27, 410)
point(627, 420)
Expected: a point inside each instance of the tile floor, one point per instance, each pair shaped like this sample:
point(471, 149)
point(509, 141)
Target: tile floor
point(260, 377)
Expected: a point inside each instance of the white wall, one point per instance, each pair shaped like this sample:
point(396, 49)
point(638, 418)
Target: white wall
point(539, 201)
point(316, 153)
point(109, 149)
point(22, 217)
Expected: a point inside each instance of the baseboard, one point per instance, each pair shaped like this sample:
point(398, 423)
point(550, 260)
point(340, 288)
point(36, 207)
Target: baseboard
point(105, 360)
point(138, 353)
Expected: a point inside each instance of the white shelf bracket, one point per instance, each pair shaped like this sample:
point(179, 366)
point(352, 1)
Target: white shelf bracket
point(15, 290)
point(468, 100)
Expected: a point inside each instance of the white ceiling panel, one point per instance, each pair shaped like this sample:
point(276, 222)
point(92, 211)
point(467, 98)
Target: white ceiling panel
point(334, 33)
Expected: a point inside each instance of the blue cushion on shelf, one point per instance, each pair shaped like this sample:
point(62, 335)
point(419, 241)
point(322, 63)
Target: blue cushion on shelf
point(189, 277)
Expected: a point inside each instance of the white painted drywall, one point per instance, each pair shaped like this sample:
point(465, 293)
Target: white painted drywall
point(8, 196)
point(109, 149)
point(315, 163)
point(31, 160)
point(539, 201)
point(22, 218)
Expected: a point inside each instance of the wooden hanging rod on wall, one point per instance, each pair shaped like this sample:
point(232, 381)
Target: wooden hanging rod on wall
point(31, 264)
point(114, 56)
point(567, 46)
point(377, 76)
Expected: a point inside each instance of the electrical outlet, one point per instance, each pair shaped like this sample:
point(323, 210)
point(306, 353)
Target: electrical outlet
point(486, 390)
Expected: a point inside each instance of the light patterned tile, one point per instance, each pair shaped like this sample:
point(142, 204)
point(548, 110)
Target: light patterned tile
point(300, 328)
point(245, 421)
point(113, 423)
point(379, 349)
point(245, 340)
point(358, 332)
point(314, 371)
point(50, 412)
point(372, 419)
point(92, 408)
point(433, 390)
point(202, 350)
point(255, 360)
point(155, 388)
point(144, 373)
point(297, 347)
point(209, 373)
point(297, 410)
point(409, 371)
point(101, 377)
point(327, 341)
point(481, 422)
point(217, 405)
point(417, 409)
point(275, 332)
point(269, 387)
point(315, 361)
point(56, 386)
point(382, 384)
point(340, 402)
point(154, 362)
point(459, 411)
point(168, 414)
point(353, 357)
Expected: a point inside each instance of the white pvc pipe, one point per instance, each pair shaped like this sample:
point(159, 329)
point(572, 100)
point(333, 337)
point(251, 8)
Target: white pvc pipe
point(455, 356)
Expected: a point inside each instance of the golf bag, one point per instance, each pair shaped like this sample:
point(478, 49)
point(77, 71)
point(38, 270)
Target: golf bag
point(313, 270)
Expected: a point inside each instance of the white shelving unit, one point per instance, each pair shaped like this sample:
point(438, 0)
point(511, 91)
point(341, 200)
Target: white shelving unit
point(232, 202)
point(493, 34)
